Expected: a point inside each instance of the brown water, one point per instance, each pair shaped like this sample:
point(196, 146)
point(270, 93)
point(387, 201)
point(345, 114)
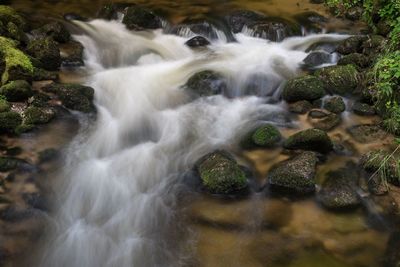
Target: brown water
point(257, 231)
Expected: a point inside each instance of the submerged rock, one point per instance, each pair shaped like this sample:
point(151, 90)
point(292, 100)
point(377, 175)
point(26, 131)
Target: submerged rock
point(294, 175)
point(341, 80)
point(74, 96)
point(10, 163)
point(206, 83)
point(367, 133)
point(339, 189)
point(47, 52)
point(273, 29)
point(138, 18)
point(220, 174)
point(264, 136)
point(310, 139)
point(300, 107)
point(323, 120)
point(9, 121)
point(317, 58)
point(303, 88)
point(16, 90)
point(363, 109)
point(197, 41)
point(335, 104)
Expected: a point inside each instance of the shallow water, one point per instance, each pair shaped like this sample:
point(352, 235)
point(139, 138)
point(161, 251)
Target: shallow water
point(121, 199)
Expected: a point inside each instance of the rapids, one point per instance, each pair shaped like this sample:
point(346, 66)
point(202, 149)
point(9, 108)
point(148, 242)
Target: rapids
point(123, 176)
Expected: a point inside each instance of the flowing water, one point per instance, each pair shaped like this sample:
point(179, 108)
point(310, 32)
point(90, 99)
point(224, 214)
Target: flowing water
point(122, 196)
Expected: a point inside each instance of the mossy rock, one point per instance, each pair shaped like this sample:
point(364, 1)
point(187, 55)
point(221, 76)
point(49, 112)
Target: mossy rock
point(38, 115)
point(220, 174)
point(10, 163)
point(300, 107)
point(206, 83)
point(266, 135)
point(303, 88)
point(44, 75)
point(294, 175)
point(4, 105)
point(46, 51)
point(56, 30)
point(274, 29)
point(310, 139)
point(16, 90)
point(351, 45)
point(16, 33)
point(18, 66)
point(374, 45)
point(8, 14)
point(363, 109)
point(339, 189)
point(240, 18)
point(9, 121)
point(72, 54)
point(74, 96)
point(323, 119)
point(335, 104)
point(359, 60)
point(367, 133)
point(137, 18)
point(341, 80)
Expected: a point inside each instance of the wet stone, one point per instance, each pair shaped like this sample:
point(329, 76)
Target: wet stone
point(197, 41)
point(300, 107)
point(363, 109)
point(367, 133)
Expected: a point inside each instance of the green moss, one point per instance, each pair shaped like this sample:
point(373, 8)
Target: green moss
point(303, 88)
point(266, 135)
point(16, 90)
point(4, 105)
point(36, 115)
point(9, 121)
point(14, 59)
point(342, 80)
point(8, 14)
point(310, 139)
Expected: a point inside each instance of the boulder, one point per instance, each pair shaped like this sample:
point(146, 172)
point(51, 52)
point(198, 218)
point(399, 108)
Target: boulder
point(310, 139)
point(351, 45)
point(14, 32)
point(4, 105)
point(38, 115)
point(363, 109)
point(323, 120)
point(316, 58)
point(367, 133)
point(9, 121)
point(8, 14)
point(206, 83)
point(359, 60)
point(16, 90)
point(10, 163)
point(197, 41)
point(300, 107)
point(139, 18)
point(56, 30)
point(74, 96)
point(72, 54)
point(374, 45)
point(339, 189)
point(273, 29)
point(238, 19)
point(46, 51)
point(341, 80)
point(263, 136)
point(335, 104)
point(220, 174)
point(294, 175)
point(303, 88)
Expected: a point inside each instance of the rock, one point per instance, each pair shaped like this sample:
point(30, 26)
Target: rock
point(10, 163)
point(206, 83)
point(49, 154)
point(8, 14)
point(311, 21)
point(383, 28)
point(72, 54)
point(16, 33)
point(339, 189)
point(354, 13)
point(238, 19)
point(273, 29)
point(16, 90)
point(220, 174)
point(39, 100)
point(363, 109)
point(74, 96)
point(341, 80)
point(335, 104)
point(367, 133)
point(294, 175)
point(392, 254)
point(138, 18)
point(383, 165)
point(351, 45)
point(4, 105)
point(303, 88)
point(56, 30)
point(310, 139)
point(300, 107)
point(108, 12)
point(74, 16)
point(37, 115)
point(9, 121)
point(17, 65)
point(316, 58)
point(264, 136)
point(47, 52)
point(374, 45)
point(197, 41)
point(44, 75)
point(359, 60)
point(323, 120)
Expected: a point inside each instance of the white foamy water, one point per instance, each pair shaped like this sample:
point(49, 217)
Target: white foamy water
point(118, 205)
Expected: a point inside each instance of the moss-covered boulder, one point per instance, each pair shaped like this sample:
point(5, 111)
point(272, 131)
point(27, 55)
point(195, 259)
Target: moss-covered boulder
point(335, 104)
point(17, 65)
point(323, 119)
point(266, 135)
point(303, 88)
point(206, 83)
point(44, 75)
point(294, 175)
point(341, 80)
point(16, 90)
point(9, 121)
point(56, 30)
point(16, 33)
point(300, 107)
point(374, 45)
point(138, 18)
point(8, 14)
point(367, 133)
point(10, 163)
point(351, 45)
point(363, 109)
point(4, 105)
point(46, 51)
point(359, 60)
point(310, 139)
point(38, 115)
point(339, 189)
point(74, 96)
point(220, 174)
